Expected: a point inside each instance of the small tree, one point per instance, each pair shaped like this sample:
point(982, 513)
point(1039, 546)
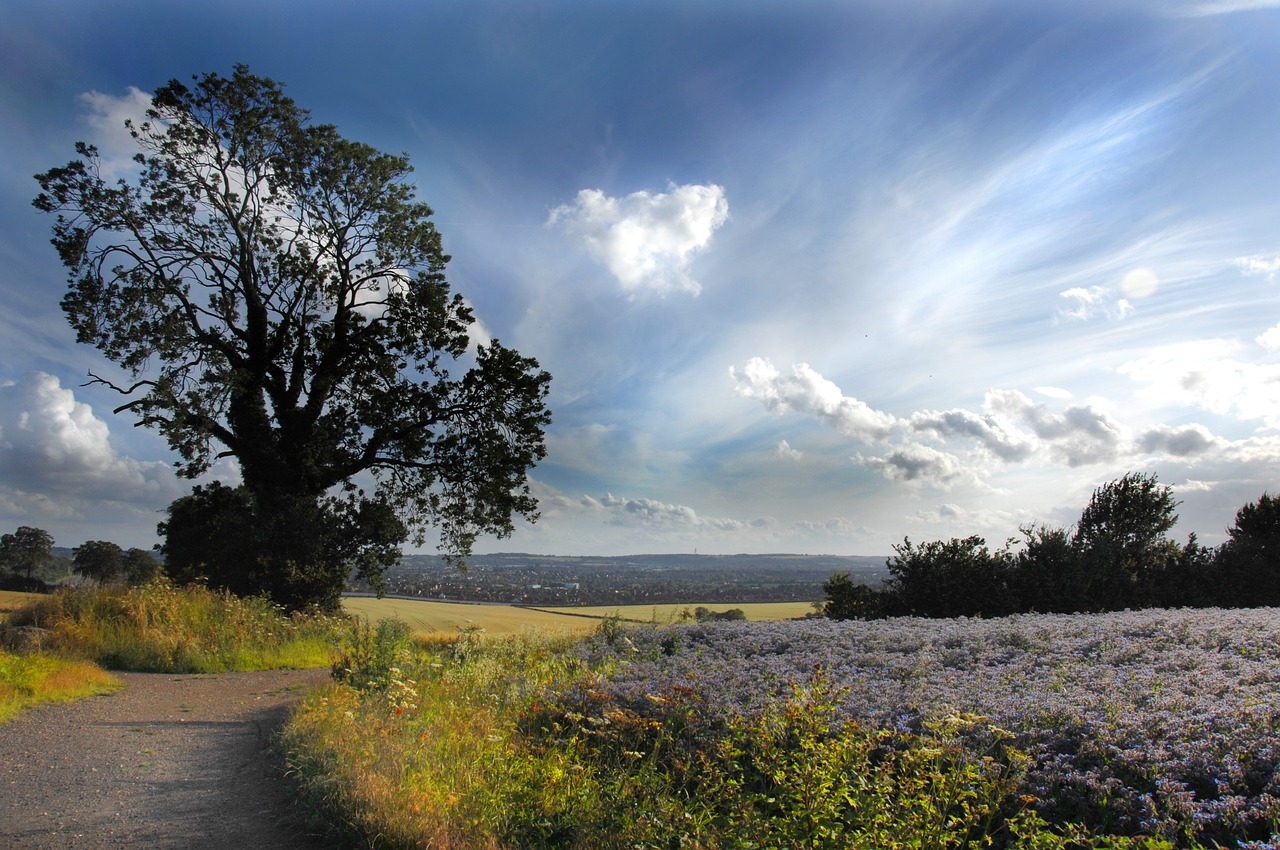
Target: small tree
point(847, 600)
point(99, 560)
point(279, 295)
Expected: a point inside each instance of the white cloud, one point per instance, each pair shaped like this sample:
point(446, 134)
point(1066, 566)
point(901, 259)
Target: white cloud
point(1095, 302)
point(106, 115)
point(1207, 373)
point(1079, 435)
point(989, 433)
point(784, 450)
point(1258, 266)
point(653, 514)
point(54, 447)
point(647, 241)
point(1270, 339)
point(806, 391)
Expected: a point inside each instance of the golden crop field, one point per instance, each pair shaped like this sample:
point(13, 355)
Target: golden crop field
point(430, 617)
point(671, 613)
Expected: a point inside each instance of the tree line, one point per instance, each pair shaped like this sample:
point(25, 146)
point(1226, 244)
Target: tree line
point(28, 562)
point(1117, 556)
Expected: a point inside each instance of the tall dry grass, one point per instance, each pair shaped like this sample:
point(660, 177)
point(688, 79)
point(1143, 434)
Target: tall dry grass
point(161, 628)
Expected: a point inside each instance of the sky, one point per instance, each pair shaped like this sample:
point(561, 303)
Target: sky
point(809, 277)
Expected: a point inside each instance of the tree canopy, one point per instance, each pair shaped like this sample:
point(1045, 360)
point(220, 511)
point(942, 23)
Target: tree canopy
point(276, 294)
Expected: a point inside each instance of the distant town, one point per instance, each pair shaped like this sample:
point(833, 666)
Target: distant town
point(551, 580)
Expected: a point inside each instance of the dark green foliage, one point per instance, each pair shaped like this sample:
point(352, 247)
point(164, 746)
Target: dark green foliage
point(1117, 557)
point(1249, 561)
point(298, 554)
point(1120, 537)
point(955, 578)
point(140, 566)
point(849, 601)
point(702, 614)
point(99, 560)
point(279, 297)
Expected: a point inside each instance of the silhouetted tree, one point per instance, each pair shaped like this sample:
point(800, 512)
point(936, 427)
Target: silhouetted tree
point(1120, 539)
point(1249, 561)
point(279, 296)
point(955, 578)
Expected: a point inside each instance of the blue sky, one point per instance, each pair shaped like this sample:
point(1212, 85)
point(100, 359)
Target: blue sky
point(809, 276)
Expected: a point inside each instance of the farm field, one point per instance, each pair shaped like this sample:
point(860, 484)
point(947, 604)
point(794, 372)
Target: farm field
point(11, 600)
point(755, 611)
point(429, 617)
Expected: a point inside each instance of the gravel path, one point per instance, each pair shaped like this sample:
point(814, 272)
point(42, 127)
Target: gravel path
point(171, 761)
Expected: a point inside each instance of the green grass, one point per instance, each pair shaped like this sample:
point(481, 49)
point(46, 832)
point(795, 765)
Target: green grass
point(160, 628)
point(30, 680)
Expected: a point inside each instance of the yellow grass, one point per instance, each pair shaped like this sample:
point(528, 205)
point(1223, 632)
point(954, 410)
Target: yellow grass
point(446, 619)
point(671, 613)
point(28, 680)
point(11, 600)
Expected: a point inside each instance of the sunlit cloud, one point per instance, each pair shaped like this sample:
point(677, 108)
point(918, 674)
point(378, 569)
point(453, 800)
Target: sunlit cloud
point(646, 240)
point(1213, 375)
point(804, 390)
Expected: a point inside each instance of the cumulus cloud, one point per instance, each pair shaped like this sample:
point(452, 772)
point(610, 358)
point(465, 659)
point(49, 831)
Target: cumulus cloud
point(53, 447)
point(1180, 442)
point(1092, 303)
point(919, 464)
point(653, 514)
point(1078, 435)
point(647, 241)
point(1208, 374)
point(806, 391)
point(1270, 339)
point(1004, 444)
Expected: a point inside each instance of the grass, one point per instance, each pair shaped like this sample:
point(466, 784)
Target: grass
point(160, 628)
point(39, 678)
point(12, 600)
point(447, 619)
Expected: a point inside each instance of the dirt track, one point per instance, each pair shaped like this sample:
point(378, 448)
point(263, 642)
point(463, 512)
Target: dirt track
point(170, 761)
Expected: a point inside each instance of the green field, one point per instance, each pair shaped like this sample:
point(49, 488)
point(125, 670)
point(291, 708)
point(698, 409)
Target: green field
point(671, 613)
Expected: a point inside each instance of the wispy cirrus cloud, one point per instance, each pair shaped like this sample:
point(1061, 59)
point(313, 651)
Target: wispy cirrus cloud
point(647, 240)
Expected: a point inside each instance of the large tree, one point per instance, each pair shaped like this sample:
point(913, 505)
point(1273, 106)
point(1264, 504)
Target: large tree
point(276, 294)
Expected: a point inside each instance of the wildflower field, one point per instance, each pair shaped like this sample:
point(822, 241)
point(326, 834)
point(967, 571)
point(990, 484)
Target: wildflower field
point(1151, 729)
